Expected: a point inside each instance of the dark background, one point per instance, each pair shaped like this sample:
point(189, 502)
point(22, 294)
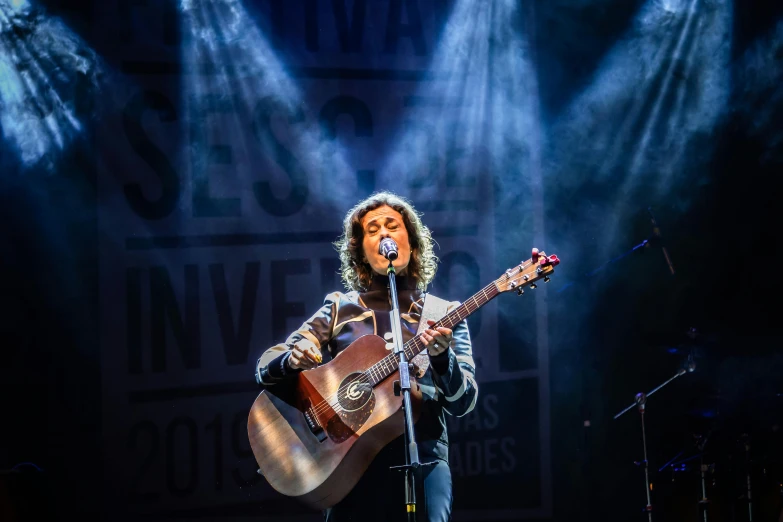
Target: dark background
point(629, 334)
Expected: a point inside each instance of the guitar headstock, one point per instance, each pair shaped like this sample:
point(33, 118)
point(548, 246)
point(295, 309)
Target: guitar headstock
point(527, 273)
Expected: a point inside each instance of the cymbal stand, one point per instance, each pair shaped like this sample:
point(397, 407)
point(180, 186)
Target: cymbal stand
point(640, 402)
point(746, 445)
point(704, 502)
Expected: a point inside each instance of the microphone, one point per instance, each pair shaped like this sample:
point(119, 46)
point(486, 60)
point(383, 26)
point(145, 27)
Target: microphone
point(388, 248)
point(657, 235)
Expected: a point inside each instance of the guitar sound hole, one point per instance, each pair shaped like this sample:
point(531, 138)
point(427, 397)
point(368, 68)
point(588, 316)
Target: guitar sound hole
point(355, 392)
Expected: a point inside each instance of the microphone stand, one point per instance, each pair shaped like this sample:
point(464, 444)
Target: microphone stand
point(640, 401)
point(657, 235)
point(654, 239)
point(403, 386)
point(588, 275)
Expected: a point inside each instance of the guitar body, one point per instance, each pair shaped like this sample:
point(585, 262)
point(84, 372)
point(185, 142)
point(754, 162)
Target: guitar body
point(314, 439)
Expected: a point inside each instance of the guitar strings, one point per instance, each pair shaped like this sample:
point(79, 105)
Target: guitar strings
point(325, 404)
point(330, 401)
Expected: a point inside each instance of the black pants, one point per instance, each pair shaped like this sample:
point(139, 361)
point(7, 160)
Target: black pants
point(380, 493)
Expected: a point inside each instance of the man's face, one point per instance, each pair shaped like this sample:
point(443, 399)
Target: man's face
point(380, 223)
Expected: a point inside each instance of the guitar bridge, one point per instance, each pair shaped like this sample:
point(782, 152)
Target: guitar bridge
point(313, 424)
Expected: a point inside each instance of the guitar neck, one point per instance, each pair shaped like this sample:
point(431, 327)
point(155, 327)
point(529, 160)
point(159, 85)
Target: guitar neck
point(413, 347)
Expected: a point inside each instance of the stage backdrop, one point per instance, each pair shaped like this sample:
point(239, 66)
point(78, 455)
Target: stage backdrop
point(240, 135)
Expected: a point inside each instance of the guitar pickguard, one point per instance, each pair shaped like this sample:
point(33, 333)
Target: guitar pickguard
point(355, 403)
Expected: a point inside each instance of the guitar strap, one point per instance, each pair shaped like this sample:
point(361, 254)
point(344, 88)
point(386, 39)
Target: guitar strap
point(434, 308)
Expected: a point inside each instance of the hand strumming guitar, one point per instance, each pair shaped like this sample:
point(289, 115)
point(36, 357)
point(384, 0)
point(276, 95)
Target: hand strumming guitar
point(304, 356)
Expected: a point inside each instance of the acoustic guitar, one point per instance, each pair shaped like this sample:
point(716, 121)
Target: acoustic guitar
point(313, 437)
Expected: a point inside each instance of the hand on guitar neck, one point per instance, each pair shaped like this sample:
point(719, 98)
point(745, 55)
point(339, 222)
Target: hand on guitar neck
point(437, 340)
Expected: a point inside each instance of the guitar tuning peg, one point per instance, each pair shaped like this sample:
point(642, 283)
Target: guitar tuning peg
point(520, 291)
point(532, 285)
point(545, 260)
point(546, 279)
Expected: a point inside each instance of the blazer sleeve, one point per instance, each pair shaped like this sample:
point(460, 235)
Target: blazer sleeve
point(272, 366)
point(454, 374)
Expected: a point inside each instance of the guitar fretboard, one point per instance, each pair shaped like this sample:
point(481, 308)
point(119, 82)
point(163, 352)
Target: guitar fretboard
point(390, 364)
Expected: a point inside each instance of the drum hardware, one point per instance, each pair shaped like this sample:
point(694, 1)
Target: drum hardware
point(640, 402)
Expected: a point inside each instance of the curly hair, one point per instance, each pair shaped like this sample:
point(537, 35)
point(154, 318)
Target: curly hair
point(356, 271)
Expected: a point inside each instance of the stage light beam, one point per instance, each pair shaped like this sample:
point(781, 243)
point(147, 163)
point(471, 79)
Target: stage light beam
point(481, 112)
point(42, 67)
point(236, 91)
point(640, 131)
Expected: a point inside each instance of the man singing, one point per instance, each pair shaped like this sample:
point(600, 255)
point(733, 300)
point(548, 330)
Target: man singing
point(446, 374)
